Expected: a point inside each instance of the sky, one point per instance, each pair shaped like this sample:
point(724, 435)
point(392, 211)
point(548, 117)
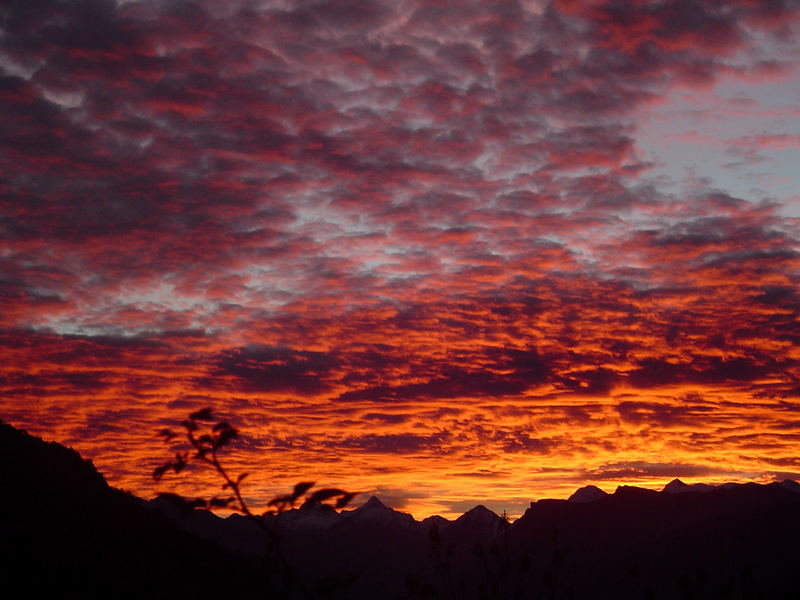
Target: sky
point(452, 253)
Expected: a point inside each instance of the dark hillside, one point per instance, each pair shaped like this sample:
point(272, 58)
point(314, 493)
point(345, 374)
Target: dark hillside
point(736, 541)
point(64, 533)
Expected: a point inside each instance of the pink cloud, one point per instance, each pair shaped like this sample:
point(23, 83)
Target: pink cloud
point(435, 215)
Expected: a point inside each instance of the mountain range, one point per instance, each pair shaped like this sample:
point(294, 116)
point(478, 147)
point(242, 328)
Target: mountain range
point(65, 533)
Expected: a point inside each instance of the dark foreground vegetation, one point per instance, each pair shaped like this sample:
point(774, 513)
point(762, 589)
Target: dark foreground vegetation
point(64, 533)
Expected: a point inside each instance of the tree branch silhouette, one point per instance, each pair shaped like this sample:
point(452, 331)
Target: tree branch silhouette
point(207, 437)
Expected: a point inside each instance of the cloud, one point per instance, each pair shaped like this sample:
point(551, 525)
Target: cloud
point(403, 443)
point(633, 469)
point(664, 414)
point(414, 229)
point(264, 369)
point(395, 498)
point(388, 418)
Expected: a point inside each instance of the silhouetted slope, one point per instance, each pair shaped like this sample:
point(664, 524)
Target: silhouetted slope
point(740, 541)
point(64, 533)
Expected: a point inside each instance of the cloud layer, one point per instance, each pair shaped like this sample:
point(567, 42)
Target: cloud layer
point(412, 246)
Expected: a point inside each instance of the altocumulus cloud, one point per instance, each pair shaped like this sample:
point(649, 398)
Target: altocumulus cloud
point(359, 225)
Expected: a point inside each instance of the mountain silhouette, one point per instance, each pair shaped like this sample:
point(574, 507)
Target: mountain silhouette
point(676, 486)
point(588, 493)
point(66, 533)
point(729, 541)
point(733, 541)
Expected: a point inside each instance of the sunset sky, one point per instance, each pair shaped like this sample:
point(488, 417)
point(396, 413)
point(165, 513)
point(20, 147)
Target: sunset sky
point(448, 252)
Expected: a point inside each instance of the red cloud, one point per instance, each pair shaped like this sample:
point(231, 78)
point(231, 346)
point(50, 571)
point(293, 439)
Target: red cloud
point(387, 229)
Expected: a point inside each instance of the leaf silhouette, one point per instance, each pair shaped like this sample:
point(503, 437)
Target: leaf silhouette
point(204, 414)
point(301, 488)
point(325, 494)
point(159, 471)
point(167, 434)
point(180, 462)
point(345, 499)
point(225, 436)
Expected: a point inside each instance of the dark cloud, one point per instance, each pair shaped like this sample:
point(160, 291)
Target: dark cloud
point(483, 473)
point(520, 441)
point(266, 369)
point(633, 469)
point(393, 418)
point(713, 369)
point(402, 443)
point(512, 372)
point(395, 498)
point(593, 381)
point(663, 414)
